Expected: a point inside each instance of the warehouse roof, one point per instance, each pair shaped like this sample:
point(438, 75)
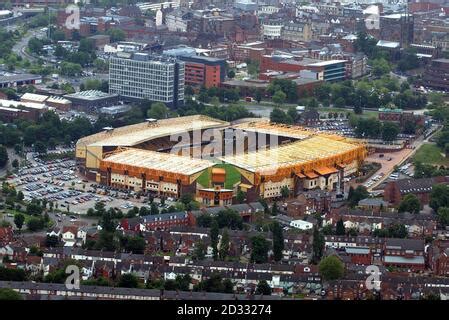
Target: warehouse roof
point(300, 152)
point(142, 132)
point(158, 161)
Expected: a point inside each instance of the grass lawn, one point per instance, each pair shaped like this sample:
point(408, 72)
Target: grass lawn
point(431, 154)
point(232, 176)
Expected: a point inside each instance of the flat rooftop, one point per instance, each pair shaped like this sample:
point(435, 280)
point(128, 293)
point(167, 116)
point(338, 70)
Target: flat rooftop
point(138, 133)
point(158, 161)
point(91, 95)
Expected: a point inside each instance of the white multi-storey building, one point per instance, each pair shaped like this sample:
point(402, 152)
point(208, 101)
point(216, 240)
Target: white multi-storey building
point(145, 76)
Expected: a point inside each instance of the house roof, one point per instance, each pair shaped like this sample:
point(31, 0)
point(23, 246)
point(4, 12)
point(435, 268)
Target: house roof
point(403, 260)
point(404, 244)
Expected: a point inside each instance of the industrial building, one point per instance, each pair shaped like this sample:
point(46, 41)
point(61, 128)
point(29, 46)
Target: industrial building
point(141, 157)
point(137, 76)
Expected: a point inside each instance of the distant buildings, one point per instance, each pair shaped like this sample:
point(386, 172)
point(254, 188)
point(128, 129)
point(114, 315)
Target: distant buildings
point(17, 80)
point(436, 74)
point(143, 76)
point(92, 99)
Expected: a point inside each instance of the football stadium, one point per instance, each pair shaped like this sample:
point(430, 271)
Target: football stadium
point(213, 159)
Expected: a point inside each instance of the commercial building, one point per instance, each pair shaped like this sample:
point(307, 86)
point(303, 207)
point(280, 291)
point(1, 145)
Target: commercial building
point(397, 28)
point(199, 70)
point(10, 110)
point(92, 100)
point(139, 76)
point(436, 74)
point(17, 80)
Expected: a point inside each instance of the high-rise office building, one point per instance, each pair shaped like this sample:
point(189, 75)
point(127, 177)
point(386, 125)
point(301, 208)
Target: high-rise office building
point(138, 76)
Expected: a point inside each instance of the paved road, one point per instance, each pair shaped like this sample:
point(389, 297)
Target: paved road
point(19, 47)
point(398, 158)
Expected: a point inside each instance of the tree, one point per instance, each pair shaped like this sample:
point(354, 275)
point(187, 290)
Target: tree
point(258, 95)
point(199, 251)
point(357, 194)
point(154, 209)
point(71, 69)
point(240, 196)
point(51, 241)
point(3, 156)
point(340, 102)
point(380, 67)
point(340, 228)
point(277, 115)
point(439, 197)
point(35, 224)
point(278, 241)
point(410, 203)
point(214, 239)
point(260, 247)
point(9, 294)
point(263, 288)
point(224, 245)
point(20, 196)
point(331, 268)
point(40, 147)
point(285, 192)
point(443, 216)
point(390, 131)
point(116, 34)
point(34, 209)
point(317, 244)
point(135, 245)
point(19, 219)
point(274, 209)
point(128, 280)
point(279, 97)
point(158, 110)
point(231, 74)
point(15, 163)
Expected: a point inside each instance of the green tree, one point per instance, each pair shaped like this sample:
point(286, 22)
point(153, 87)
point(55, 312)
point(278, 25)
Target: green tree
point(19, 219)
point(9, 294)
point(285, 192)
point(224, 245)
point(3, 156)
point(231, 74)
point(128, 280)
point(410, 203)
point(340, 228)
point(214, 231)
point(331, 268)
point(279, 97)
point(278, 241)
point(443, 216)
point(390, 131)
point(240, 197)
point(35, 224)
point(439, 196)
point(259, 250)
point(263, 288)
point(199, 251)
point(116, 34)
point(158, 110)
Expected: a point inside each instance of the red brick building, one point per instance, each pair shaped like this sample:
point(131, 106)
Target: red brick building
point(395, 190)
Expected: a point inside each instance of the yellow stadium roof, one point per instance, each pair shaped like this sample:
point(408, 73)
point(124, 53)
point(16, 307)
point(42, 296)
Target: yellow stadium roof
point(158, 161)
point(299, 152)
point(264, 126)
point(135, 134)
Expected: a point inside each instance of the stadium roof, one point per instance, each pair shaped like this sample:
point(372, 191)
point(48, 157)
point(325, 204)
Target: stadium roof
point(158, 161)
point(304, 151)
point(135, 134)
point(265, 127)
